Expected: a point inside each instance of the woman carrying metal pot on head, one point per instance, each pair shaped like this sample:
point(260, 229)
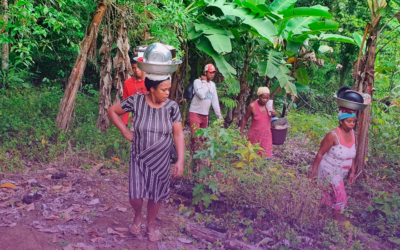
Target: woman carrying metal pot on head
point(336, 155)
point(155, 118)
point(334, 160)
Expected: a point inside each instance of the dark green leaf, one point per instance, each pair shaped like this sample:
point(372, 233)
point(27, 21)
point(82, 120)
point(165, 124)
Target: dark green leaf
point(337, 38)
point(207, 199)
point(317, 10)
point(198, 189)
point(323, 25)
point(302, 76)
point(271, 66)
point(280, 6)
point(220, 43)
point(223, 66)
point(212, 185)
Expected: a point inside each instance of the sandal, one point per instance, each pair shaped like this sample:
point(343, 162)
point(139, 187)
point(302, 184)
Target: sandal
point(154, 236)
point(135, 230)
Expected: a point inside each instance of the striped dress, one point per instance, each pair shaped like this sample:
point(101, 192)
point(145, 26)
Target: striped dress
point(149, 167)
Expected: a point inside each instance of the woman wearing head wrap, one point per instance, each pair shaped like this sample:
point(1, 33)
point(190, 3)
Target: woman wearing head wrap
point(334, 160)
point(155, 118)
point(260, 128)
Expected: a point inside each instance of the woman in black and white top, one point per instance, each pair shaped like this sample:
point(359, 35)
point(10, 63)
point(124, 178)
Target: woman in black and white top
point(155, 119)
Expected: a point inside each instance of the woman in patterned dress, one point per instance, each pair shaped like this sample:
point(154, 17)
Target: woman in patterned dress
point(260, 128)
point(334, 160)
point(155, 118)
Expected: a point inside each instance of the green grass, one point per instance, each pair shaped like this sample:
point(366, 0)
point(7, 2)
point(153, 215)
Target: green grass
point(28, 130)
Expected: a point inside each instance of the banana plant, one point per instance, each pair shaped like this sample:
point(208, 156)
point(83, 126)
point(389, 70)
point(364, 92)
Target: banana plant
point(280, 22)
point(364, 70)
point(279, 27)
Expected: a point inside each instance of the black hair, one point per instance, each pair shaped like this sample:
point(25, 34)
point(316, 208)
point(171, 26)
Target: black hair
point(150, 83)
point(131, 56)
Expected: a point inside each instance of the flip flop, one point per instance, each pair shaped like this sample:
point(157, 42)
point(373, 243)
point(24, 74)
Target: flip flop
point(135, 230)
point(154, 236)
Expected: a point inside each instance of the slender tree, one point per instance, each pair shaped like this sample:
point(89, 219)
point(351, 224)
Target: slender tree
point(5, 46)
point(75, 79)
point(364, 76)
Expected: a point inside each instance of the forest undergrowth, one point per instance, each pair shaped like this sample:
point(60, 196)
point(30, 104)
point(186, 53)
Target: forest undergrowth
point(249, 198)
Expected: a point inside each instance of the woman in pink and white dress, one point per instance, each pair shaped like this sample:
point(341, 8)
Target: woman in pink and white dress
point(335, 159)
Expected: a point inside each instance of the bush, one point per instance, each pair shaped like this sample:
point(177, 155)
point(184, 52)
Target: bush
point(240, 178)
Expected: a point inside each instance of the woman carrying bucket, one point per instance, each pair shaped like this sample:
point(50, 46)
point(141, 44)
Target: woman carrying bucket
point(260, 128)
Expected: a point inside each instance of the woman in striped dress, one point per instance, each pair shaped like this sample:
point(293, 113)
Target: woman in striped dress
point(155, 117)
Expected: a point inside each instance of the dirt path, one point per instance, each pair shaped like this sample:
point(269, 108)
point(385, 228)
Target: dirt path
point(55, 208)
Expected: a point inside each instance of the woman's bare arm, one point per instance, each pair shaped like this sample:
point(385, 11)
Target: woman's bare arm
point(245, 119)
point(180, 148)
point(114, 113)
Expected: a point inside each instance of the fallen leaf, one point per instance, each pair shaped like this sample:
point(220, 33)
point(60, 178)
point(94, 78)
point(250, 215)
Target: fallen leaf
point(184, 240)
point(8, 225)
point(19, 204)
point(122, 229)
point(94, 233)
point(68, 218)
point(48, 176)
point(162, 246)
point(97, 240)
point(65, 190)
point(122, 209)
point(91, 193)
point(347, 224)
point(56, 187)
point(51, 170)
point(38, 226)
point(55, 239)
point(65, 184)
point(52, 217)
point(70, 246)
point(115, 159)
point(107, 208)
point(30, 207)
point(97, 167)
point(8, 185)
point(49, 230)
point(112, 231)
point(94, 202)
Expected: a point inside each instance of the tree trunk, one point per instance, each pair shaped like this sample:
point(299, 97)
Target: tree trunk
point(178, 78)
point(240, 109)
point(121, 61)
point(106, 80)
point(75, 79)
point(364, 82)
point(5, 46)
